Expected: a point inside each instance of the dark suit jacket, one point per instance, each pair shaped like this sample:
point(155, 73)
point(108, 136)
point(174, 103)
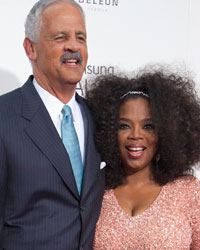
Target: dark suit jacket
point(40, 208)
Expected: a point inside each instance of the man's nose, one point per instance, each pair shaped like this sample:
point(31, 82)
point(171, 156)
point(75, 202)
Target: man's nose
point(71, 45)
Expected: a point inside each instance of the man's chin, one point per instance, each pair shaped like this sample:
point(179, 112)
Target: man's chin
point(72, 79)
point(72, 82)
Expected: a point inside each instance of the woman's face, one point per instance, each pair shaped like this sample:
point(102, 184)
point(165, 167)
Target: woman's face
point(137, 137)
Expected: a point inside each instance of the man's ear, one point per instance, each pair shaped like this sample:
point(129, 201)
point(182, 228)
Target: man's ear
point(30, 49)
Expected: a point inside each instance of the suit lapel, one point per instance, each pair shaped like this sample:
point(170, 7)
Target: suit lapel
point(92, 158)
point(43, 133)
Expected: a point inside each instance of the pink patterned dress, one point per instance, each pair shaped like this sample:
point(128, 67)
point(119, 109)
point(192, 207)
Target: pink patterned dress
point(172, 221)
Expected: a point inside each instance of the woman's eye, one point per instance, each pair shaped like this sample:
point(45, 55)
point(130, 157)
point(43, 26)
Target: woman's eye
point(123, 126)
point(148, 126)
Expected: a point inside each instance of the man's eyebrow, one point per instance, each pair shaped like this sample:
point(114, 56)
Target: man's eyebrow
point(60, 33)
point(81, 33)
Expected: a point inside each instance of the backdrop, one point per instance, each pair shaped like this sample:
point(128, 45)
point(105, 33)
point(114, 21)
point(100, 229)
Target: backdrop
point(123, 35)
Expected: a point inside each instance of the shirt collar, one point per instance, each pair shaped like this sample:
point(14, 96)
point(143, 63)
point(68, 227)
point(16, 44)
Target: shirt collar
point(53, 104)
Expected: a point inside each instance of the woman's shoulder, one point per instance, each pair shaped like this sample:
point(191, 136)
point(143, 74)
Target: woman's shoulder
point(109, 193)
point(109, 201)
point(186, 187)
point(186, 182)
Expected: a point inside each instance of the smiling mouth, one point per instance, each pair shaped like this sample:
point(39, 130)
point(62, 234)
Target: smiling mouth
point(135, 151)
point(72, 62)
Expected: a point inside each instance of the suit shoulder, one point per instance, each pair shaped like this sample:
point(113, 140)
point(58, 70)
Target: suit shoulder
point(10, 95)
point(10, 100)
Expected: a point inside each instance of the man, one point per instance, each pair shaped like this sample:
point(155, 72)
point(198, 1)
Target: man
point(44, 203)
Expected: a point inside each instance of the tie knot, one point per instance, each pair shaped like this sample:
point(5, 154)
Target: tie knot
point(66, 110)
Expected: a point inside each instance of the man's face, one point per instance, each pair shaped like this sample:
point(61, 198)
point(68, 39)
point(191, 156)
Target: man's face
point(61, 33)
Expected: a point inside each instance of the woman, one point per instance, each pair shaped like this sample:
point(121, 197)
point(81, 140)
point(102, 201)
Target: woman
point(148, 132)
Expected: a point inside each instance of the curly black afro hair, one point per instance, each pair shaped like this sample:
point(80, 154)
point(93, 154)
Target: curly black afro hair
point(175, 109)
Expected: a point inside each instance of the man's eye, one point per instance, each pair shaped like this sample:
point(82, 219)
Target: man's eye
point(81, 38)
point(59, 38)
point(123, 126)
point(148, 126)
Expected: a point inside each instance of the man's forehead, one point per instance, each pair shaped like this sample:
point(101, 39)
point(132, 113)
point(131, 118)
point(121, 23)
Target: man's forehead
point(61, 7)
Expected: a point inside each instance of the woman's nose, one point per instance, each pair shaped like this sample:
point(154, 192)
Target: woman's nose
point(135, 133)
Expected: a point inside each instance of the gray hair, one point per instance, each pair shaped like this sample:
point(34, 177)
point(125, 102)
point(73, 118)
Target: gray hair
point(33, 18)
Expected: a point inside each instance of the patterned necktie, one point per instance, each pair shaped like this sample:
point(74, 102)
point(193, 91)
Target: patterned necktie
point(70, 140)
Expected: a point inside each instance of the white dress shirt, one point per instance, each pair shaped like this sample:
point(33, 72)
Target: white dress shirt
point(54, 107)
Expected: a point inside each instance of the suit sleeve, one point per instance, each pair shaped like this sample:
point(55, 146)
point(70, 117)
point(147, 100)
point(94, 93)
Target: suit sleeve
point(3, 182)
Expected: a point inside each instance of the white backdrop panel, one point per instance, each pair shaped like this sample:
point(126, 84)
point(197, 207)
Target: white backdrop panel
point(122, 36)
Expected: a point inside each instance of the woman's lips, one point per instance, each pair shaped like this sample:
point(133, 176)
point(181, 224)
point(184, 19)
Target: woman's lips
point(135, 151)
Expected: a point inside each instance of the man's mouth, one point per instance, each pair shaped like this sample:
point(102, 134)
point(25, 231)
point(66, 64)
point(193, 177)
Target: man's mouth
point(72, 58)
point(72, 62)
